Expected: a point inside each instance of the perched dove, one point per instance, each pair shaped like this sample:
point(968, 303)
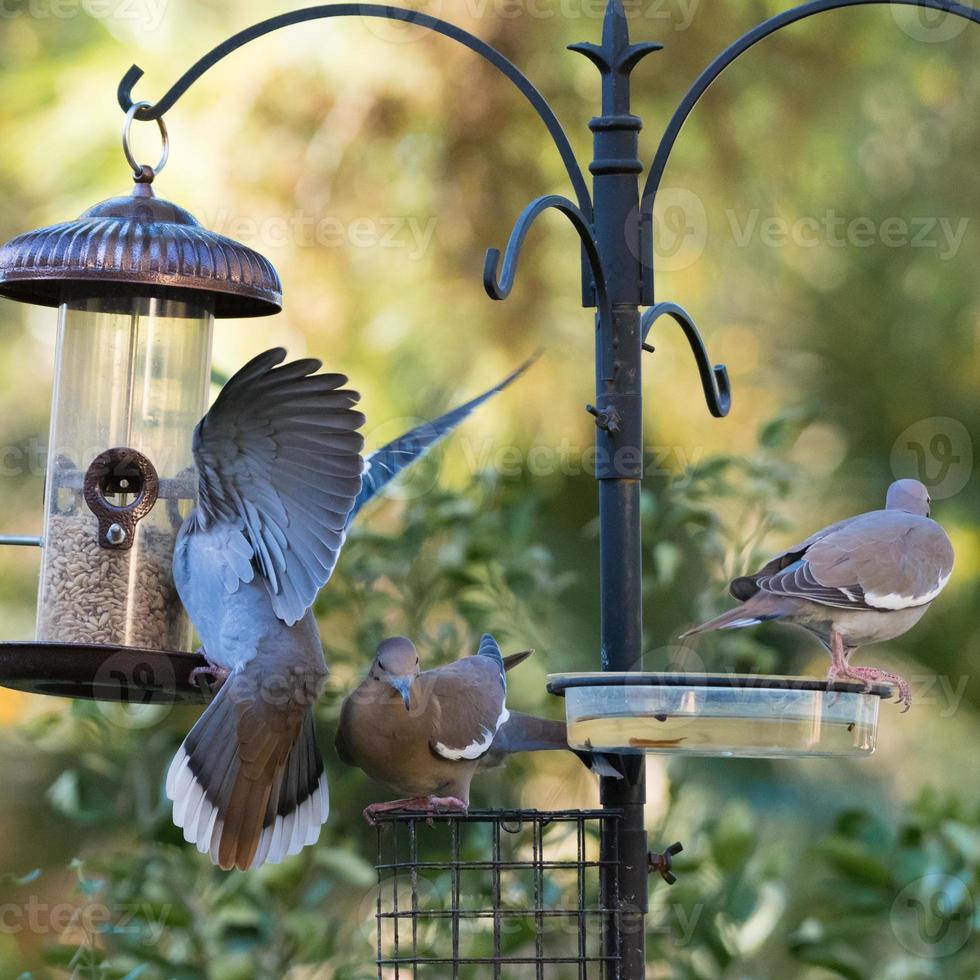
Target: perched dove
point(863, 580)
point(426, 733)
point(280, 478)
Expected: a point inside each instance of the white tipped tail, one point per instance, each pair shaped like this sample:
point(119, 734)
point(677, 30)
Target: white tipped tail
point(249, 789)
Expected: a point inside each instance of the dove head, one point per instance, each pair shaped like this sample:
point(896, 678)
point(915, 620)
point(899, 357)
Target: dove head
point(397, 664)
point(909, 496)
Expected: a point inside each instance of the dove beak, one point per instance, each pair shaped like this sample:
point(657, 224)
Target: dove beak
point(403, 685)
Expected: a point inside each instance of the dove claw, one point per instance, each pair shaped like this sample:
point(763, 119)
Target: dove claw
point(872, 675)
point(425, 804)
point(216, 672)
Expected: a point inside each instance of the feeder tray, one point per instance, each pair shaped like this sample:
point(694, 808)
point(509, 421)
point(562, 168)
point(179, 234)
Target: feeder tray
point(102, 673)
point(727, 715)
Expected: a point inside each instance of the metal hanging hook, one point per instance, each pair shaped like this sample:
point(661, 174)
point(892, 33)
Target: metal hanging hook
point(539, 103)
point(714, 378)
point(142, 173)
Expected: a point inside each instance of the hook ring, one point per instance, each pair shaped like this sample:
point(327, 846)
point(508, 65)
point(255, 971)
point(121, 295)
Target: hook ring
point(140, 170)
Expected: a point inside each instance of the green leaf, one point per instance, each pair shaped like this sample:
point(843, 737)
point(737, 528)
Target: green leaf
point(347, 866)
point(964, 840)
point(854, 860)
point(842, 960)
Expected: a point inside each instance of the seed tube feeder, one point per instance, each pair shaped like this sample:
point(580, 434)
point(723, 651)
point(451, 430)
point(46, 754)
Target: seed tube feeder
point(136, 318)
point(138, 283)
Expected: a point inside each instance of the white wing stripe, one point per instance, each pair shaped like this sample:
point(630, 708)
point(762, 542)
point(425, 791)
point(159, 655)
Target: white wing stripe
point(894, 600)
point(475, 749)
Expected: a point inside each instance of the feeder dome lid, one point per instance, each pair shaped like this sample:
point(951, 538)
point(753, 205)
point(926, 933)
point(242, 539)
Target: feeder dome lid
point(138, 244)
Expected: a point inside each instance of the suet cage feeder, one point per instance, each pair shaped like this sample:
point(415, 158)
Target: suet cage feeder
point(138, 283)
point(520, 893)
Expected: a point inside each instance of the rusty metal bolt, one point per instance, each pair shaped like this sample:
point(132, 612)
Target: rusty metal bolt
point(608, 420)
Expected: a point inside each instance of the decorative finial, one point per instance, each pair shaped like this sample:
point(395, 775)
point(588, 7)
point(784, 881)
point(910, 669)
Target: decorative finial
point(615, 26)
point(615, 57)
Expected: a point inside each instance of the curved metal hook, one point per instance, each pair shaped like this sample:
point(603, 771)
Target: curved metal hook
point(486, 51)
point(739, 47)
point(714, 380)
point(499, 284)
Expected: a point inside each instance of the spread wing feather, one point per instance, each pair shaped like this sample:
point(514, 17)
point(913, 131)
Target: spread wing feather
point(383, 465)
point(279, 461)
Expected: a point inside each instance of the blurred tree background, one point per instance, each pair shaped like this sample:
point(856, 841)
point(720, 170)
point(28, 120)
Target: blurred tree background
point(820, 221)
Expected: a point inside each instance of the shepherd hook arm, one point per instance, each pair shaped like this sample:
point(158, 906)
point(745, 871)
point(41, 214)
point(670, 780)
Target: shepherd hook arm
point(714, 379)
point(418, 19)
point(499, 284)
point(738, 48)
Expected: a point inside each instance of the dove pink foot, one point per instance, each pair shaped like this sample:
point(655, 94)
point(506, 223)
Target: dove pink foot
point(426, 804)
point(873, 675)
point(838, 658)
point(840, 669)
point(220, 674)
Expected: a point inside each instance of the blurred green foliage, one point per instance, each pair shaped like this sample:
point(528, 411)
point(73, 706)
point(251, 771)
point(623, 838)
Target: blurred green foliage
point(836, 346)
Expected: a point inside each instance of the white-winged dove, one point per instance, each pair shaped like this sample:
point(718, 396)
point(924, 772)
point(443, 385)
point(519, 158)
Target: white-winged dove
point(863, 580)
point(426, 733)
point(280, 478)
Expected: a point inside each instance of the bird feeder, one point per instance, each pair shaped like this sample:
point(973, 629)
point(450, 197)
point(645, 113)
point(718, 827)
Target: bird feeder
point(722, 715)
point(137, 282)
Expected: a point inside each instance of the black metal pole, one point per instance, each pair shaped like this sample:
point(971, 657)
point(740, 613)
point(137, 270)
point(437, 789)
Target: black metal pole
point(616, 170)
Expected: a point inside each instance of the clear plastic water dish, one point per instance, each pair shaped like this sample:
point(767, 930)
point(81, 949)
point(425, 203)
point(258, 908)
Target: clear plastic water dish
point(729, 715)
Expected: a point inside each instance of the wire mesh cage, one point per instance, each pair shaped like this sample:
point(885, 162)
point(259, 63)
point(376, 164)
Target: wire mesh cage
point(503, 894)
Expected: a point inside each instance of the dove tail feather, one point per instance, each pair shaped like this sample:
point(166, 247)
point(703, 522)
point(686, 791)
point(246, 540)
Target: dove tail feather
point(753, 612)
point(528, 733)
point(248, 803)
point(516, 659)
